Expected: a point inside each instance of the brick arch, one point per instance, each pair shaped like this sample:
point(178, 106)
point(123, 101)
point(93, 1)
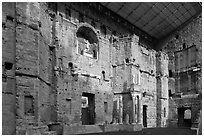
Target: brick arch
point(89, 31)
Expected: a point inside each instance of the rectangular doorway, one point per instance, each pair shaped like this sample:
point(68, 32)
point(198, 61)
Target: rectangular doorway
point(145, 115)
point(184, 117)
point(88, 109)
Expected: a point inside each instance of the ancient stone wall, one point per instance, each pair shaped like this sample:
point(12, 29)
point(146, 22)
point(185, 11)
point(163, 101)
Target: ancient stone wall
point(34, 63)
point(8, 69)
point(184, 50)
point(60, 53)
point(162, 89)
point(135, 69)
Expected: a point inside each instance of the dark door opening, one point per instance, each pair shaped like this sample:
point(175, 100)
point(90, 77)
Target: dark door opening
point(184, 117)
point(145, 115)
point(88, 109)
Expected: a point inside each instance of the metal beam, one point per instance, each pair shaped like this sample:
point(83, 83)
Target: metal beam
point(178, 29)
point(144, 13)
point(121, 7)
point(133, 10)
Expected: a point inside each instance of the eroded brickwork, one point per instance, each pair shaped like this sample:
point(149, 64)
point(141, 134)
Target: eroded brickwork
point(8, 69)
point(184, 51)
point(74, 66)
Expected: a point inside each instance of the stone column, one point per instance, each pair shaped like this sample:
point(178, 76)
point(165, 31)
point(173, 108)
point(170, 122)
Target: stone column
point(139, 109)
point(120, 110)
point(133, 110)
point(189, 82)
point(178, 80)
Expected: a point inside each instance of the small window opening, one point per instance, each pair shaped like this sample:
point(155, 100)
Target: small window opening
point(114, 40)
point(95, 54)
point(170, 73)
point(70, 64)
point(105, 107)
point(184, 45)
point(8, 65)
point(29, 105)
point(127, 60)
point(103, 73)
point(177, 36)
point(144, 94)
point(170, 94)
point(69, 105)
point(164, 112)
point(9, 18)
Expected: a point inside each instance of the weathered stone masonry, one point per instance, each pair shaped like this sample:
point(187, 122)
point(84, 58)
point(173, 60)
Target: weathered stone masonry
point(67, 69)
point(184, 49)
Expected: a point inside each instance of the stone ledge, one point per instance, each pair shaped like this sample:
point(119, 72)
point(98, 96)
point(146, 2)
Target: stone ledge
point(85, 129)
point(123, 127)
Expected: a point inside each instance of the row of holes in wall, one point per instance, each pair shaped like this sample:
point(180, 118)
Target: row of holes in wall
point(81, 19)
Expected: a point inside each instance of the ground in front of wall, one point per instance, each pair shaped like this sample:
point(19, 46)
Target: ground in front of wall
point(152, 131)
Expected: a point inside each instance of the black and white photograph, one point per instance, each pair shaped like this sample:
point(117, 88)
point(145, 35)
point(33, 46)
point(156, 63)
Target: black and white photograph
point(101, 68)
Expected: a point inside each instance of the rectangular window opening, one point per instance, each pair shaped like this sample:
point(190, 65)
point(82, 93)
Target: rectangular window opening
point(69, 105)
point(105, 107)
point(170, 73)
point(29, 105)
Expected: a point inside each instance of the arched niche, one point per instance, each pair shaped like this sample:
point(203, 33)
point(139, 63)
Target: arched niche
point(187, 114)
point(87, 41)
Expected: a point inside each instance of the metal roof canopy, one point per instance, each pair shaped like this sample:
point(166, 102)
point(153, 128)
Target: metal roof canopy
point(158, 19)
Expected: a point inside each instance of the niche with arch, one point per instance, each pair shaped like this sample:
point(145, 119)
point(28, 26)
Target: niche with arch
point(87, 42)
point(187, 114)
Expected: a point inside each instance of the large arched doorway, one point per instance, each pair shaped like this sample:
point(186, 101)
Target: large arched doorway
point(184, 117)
point(87, 41)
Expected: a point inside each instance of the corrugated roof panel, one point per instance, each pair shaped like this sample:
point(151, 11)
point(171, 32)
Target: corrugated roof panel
point(145, 6)
point(147, 17)
point(124, 12)
point(156, 21)
point(141, 21)
point(196, 7)
point(182, 19)
point(174, 24)
point(104, 3)
point(192, 11)
point(178, 14)
point(182, 9)
point(172, 17)
point(156, 9)
point(155, 18)
point(177, 4)
point(147, 28)
point(166, 12)
point(114, 6)
point(150, 4)
point(134, 16)
point(187, 5)
point(187, 15)
point(160, 6)
point(177, 22)
point(162, 15)
point(131, 6)
point(139, 25)
point(171, 7)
